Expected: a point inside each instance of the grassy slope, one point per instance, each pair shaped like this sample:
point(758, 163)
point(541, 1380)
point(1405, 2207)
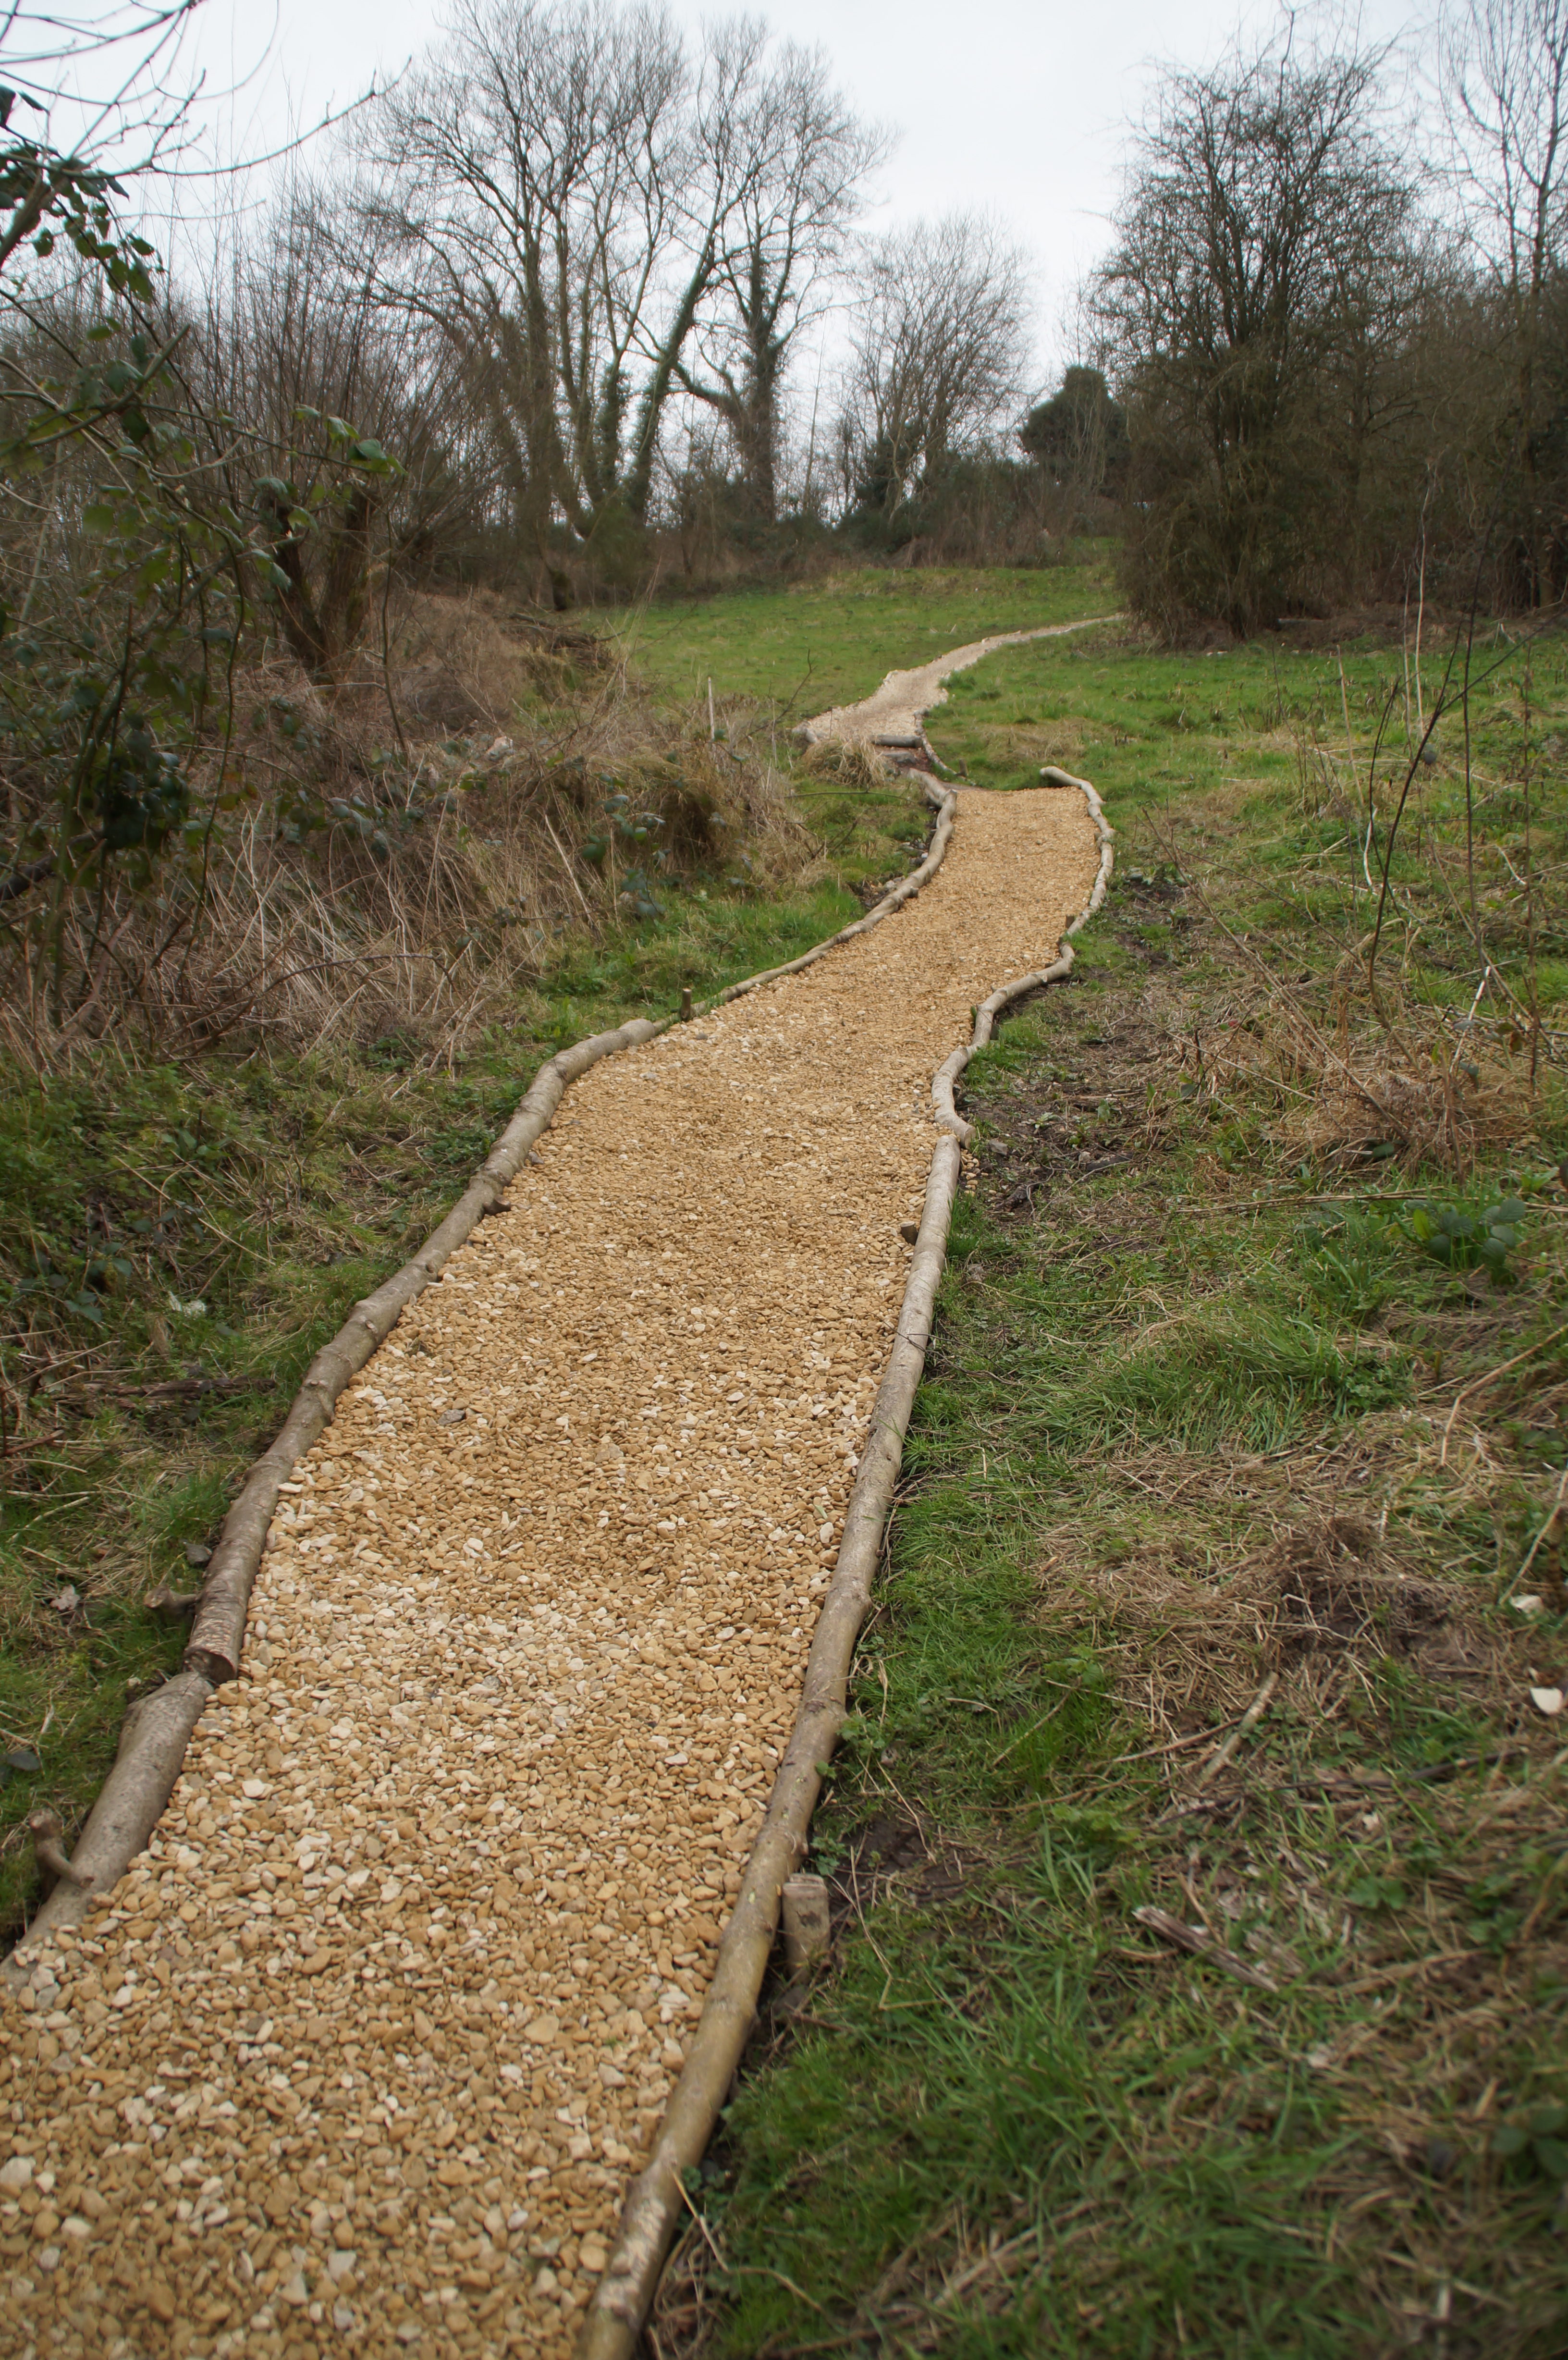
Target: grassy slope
point(823, 642)
point(1169, 1444)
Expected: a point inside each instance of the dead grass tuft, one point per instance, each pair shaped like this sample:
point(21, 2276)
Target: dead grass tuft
point(1430, 1110)
point(849, 763)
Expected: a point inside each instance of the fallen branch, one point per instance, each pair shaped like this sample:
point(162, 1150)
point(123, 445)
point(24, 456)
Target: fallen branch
point(1202, 1945)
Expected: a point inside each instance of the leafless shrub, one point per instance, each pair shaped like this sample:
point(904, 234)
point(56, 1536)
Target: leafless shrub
point(431, 882)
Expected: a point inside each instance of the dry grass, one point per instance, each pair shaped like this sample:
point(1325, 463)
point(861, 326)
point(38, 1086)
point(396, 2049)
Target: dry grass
point(849, 763)
point(362, 875)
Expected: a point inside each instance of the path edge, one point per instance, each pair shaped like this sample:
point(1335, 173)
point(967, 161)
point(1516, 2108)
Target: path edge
point(158, 1727)
point(652, 2211)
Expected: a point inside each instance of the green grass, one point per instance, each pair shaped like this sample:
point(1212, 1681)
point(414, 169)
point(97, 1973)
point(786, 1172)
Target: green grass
point(1181, 1429)
point(801, 648)
point(1002, 2062)
point(1261, 734)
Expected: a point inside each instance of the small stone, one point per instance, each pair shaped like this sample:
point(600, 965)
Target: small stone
point(16, 2174)
point(910, 1231)
point(544, 2031)
point(73, 2225)
point(342, 2318)
point(159, 2300)
point(295, 2291)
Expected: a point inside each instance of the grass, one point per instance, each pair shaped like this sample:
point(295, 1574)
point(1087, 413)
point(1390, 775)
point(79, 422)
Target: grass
point(823, 642)
point(1183, 1433)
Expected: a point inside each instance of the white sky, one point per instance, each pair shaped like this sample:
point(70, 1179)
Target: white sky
point(1018, 107)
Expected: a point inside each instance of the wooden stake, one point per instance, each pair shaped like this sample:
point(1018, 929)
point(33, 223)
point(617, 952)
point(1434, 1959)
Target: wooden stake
point(808, 1922)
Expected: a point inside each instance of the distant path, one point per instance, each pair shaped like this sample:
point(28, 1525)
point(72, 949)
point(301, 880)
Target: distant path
point(364, 2051)
point(893, 713)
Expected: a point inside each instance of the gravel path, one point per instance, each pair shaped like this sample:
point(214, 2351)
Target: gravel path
point(894, 712)
point(362, 2052)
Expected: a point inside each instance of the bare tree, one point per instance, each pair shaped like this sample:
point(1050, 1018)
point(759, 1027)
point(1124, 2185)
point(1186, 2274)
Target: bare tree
point(1505, 82)
point(1251, 310)
point(556, 184)
point(804, 162)
point(295, 347)
point(937, 349)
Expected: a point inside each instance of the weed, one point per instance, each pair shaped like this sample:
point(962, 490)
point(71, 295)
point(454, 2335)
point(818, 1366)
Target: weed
point(1462, 1240)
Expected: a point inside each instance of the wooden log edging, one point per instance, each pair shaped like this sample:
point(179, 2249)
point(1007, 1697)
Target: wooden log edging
point(158, 1728)
point(653, 2208)
point(947, 1073)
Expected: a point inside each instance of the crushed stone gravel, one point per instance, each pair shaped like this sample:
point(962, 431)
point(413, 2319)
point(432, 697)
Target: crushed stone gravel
point(363, 2049)
point(895, 711)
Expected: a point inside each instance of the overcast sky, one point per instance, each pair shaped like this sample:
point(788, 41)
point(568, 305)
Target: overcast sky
point(1016, 106)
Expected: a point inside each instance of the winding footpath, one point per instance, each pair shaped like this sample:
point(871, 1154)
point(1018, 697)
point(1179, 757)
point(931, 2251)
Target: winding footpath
point(364, 2051)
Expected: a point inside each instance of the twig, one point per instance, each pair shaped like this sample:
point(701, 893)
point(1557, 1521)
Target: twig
point(1203, 1946)
point(1542, 1899)
point(1153, 1752)
point(707, 2233)
point(1500, 1370)
point(570, 873)
point(1250, 1720)
point(1552, 1519)
point(1401, 1973)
